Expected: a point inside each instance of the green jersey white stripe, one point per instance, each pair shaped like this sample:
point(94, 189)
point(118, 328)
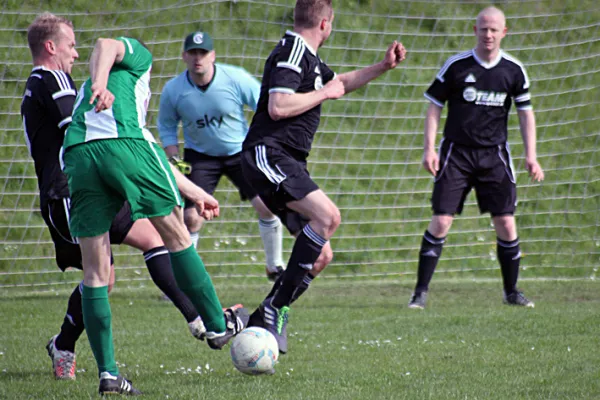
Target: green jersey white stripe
point(129, 81)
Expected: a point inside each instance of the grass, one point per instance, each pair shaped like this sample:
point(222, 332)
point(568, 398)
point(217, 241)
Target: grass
point(348, 340)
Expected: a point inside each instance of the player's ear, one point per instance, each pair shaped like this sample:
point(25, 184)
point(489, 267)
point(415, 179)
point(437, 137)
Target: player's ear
point(50, 47)
point(323, 24)
point(475, 29)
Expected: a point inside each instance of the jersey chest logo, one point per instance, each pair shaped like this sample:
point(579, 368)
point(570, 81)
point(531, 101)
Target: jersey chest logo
point(484, 97)
point(318, 82)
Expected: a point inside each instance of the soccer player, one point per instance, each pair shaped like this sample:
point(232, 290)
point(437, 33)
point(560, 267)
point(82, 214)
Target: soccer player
point(209, 101)
point(110, 157)
point(295, 83)
point(46, 111)
point(479, 86)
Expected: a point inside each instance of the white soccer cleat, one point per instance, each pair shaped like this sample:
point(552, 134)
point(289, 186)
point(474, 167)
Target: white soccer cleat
point(63, 362)
point(197, 329)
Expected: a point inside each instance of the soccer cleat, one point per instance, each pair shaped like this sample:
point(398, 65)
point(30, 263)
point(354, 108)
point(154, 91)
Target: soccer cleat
point(273, 275)
point(197, 328)
point(236, 319)
point(116, 385)
point(275, 321)
point(63, 362)
point(418, 300)
point(517, 298)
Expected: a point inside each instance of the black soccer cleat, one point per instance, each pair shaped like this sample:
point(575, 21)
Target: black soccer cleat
point(236, 320)
point(275, 321)
point(273, 275)
point(517, 298)
point(110, 385)
point(418, 300)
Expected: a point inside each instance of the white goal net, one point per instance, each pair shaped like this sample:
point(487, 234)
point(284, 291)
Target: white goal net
point(367, 152)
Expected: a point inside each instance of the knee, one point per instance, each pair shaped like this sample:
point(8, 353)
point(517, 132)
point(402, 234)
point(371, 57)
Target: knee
point(440, 225)
point(111, 279)
point(192, 220)
point(323, 261)
point(332, 221)
point(505, 226)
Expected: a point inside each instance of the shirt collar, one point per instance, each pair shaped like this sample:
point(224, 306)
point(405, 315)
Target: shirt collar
point(305, 43)
point(487, 65)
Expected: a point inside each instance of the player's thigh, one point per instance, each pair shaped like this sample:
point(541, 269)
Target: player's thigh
point(66, 249)
point(453, 182)
point(318, 207)
point(138, 170)
point(206, 172)
point(93, 204)
point(172, 230)
point(233, 171)
point(273, 175)
point(495, 184)
point(139, 234)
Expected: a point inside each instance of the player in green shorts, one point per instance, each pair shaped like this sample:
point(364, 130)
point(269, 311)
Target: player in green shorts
point(110, 157)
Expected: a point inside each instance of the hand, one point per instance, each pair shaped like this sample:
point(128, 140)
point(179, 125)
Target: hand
point(103, 97)
point(394, 55)
point(535, 170)
point(334, 89)
point(431, 162)
point(207, 206)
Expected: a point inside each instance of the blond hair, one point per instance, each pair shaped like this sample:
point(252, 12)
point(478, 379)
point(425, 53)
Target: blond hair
point(308, 13)
point(45, 27)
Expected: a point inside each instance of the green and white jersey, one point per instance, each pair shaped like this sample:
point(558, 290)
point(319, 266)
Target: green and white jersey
point(129, 82)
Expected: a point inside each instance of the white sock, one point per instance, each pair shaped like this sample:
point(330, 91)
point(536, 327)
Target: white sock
point(194, 236)
point(271, 232)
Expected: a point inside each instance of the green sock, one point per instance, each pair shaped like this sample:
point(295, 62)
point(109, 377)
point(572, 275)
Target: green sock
point(194, 281)
point(97, 320)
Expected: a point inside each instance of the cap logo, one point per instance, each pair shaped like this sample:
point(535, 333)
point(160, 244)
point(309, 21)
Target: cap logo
point(198, 38)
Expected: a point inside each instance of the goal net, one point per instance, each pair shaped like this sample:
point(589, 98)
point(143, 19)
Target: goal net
point(367, 152)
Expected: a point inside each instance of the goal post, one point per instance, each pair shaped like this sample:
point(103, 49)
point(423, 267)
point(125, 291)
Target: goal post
point(367, 152)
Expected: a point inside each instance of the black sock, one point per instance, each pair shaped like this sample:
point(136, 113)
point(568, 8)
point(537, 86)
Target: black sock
point(161, 272)
point(306, 251)
point(299, 290)
point(431, 250)
point(303, 287)
point(509, 256)
point(72, 326)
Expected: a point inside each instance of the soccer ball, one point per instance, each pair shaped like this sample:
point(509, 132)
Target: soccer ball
point(254, 351)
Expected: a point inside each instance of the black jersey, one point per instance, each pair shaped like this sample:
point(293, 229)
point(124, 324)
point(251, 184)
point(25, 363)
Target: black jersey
point(46, 111)
point(292, 67)
point(479, 97)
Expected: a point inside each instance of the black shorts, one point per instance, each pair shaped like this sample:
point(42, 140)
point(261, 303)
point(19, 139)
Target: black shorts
point(489, 170)
point(208, 170)
point(278, 178)
point(66, 247)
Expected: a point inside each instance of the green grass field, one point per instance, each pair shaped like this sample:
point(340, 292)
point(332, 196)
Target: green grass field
point(348, 340)
point(352, 335)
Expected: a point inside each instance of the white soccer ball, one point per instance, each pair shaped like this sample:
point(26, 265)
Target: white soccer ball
point(254, 351)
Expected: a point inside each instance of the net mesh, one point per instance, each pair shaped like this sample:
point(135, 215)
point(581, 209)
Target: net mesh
point(367, 152)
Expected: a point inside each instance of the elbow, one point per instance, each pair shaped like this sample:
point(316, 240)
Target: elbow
point(275, 112)
point(100, 42)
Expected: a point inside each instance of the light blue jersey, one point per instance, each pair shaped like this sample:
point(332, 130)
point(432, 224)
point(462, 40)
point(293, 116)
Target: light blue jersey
point(213, 120)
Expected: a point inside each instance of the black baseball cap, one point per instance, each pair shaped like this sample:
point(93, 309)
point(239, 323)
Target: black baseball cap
point(198, 40)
